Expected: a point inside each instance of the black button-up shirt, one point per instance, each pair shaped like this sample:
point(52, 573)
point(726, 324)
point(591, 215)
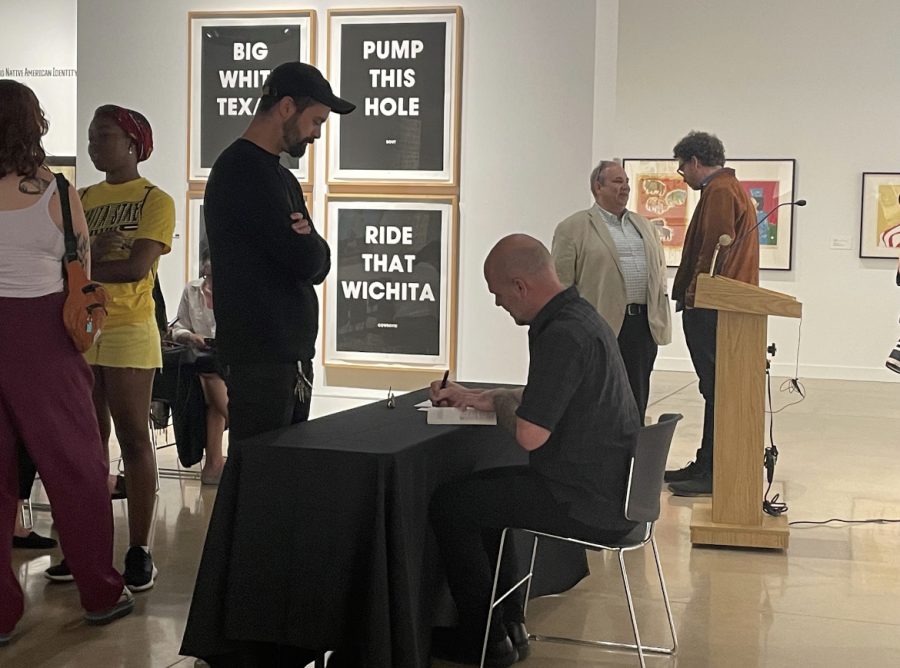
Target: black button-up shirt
point(578, 390)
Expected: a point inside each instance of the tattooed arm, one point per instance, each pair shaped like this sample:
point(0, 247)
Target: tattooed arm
point(82, 236)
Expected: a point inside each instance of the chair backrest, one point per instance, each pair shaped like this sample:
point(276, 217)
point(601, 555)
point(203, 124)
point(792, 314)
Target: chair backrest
point(648, 466)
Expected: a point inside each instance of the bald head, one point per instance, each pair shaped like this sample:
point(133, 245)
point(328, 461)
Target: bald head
point(520, 274)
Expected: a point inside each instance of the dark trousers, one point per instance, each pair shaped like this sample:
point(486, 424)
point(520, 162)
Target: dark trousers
point(468, 516)
point(700, 326)
point(639, 353)
point(264, 397)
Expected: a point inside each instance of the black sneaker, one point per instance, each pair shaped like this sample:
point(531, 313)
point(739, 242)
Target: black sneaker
point(689, 472)
point(124, 606)
point(140, 573)
point(59, 573)
point(700, 486)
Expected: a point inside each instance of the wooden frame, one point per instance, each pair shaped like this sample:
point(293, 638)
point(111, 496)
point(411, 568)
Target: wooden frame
point(659, 194)
point(63, 164)
point(259, 41)
point(392, 141)
point(879, 222)
point(389, 323)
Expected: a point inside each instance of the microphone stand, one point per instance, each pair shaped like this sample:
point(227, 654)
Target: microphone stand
point(730, 246)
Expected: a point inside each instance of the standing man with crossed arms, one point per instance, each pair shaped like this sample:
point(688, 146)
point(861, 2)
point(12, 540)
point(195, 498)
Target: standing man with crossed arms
point(615, 259)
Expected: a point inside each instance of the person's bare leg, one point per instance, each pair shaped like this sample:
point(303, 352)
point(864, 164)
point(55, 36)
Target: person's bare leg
point(128, 396)
point(103, 420)
point(216, 394)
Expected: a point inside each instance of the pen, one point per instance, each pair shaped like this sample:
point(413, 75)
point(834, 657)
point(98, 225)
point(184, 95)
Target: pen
point(444, 379)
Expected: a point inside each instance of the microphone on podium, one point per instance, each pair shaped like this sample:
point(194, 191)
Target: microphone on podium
point(731, 245)
point(725, 241)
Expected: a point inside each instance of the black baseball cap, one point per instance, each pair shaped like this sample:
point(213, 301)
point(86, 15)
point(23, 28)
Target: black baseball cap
point(296, 79)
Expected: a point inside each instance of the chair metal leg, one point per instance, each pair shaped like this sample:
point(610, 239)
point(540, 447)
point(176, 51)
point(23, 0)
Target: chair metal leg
point(497, 601)
point(640, 648)
point(665, 594)
point(634, 624)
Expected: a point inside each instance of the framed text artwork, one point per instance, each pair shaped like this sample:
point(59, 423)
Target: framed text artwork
point(402, 69)
point(390, 299)
point(879, 226)
point(231, 54)
point(660, 194)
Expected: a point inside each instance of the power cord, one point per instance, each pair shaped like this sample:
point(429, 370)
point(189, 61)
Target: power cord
point(810, 523)
point(772, 506)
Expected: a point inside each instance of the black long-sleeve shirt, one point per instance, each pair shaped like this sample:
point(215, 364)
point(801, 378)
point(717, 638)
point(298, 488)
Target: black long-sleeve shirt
point(263, 296)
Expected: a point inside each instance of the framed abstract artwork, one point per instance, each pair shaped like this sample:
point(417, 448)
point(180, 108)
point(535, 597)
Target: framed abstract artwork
point(390, 299)
point(231, 54)
point(770, 184)
point(879, 225)
point(402, 69)
point(660, 194)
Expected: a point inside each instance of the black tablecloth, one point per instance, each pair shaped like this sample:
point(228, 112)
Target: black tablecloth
point(320, 539)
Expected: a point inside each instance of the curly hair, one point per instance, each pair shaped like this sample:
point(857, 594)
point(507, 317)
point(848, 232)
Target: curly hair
point(22, 124)
point(707, 148)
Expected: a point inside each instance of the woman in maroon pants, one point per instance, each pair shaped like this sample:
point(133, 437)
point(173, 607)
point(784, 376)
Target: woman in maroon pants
point(45, 384)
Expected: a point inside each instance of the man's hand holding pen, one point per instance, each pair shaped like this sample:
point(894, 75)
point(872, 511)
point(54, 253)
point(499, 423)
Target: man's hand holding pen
point(458, 396)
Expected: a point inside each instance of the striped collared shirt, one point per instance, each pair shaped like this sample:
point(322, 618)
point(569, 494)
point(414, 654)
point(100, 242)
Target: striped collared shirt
point(632, 257)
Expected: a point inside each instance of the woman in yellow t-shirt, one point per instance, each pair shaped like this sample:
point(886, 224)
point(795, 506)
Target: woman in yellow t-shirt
point(131, 222)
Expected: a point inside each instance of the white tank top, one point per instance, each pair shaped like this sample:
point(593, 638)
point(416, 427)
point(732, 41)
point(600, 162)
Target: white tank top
point(31, 250)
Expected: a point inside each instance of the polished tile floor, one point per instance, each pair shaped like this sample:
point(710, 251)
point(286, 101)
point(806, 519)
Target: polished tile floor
point(833, 599)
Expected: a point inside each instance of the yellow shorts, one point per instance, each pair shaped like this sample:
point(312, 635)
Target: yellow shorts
point(132, 346)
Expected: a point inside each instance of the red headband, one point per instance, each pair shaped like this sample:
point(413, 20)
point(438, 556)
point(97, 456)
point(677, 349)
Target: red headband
point(135, 126)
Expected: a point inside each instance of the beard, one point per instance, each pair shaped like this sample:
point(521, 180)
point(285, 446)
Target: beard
point(294, 145)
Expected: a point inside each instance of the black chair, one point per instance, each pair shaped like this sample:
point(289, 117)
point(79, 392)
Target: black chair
point(645, 479)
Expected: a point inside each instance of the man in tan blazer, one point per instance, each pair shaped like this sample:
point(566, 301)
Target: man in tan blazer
point(615, 259)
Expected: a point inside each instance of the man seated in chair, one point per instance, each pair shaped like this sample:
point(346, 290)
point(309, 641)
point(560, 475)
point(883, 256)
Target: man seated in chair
point(578, 419)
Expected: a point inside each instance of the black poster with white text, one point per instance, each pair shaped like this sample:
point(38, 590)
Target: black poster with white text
point(395, 73)
point(235, 61)
point(388, 278)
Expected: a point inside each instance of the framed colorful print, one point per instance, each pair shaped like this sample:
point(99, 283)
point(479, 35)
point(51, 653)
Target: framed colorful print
point(62, 164)
point(231, 54)
point(402, 68)
point(390, 300)
point(879, 226)
point(659, 194)
point(770, 184)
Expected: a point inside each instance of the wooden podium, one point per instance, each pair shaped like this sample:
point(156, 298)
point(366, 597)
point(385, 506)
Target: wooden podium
point(735, 518)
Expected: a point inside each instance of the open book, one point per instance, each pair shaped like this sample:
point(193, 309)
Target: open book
point(460, 416)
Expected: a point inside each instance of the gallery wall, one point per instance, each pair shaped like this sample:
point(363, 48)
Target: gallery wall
point(527, 123)
point(548, 88)
point(39, 50)
point(811, 80)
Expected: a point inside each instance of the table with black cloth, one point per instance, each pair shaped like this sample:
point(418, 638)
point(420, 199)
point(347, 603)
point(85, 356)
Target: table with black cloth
point(320, 537)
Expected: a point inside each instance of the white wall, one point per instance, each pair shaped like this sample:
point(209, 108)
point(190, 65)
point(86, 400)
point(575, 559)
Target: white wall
point(812, 80)
point(527, 123)
point(43, 38)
